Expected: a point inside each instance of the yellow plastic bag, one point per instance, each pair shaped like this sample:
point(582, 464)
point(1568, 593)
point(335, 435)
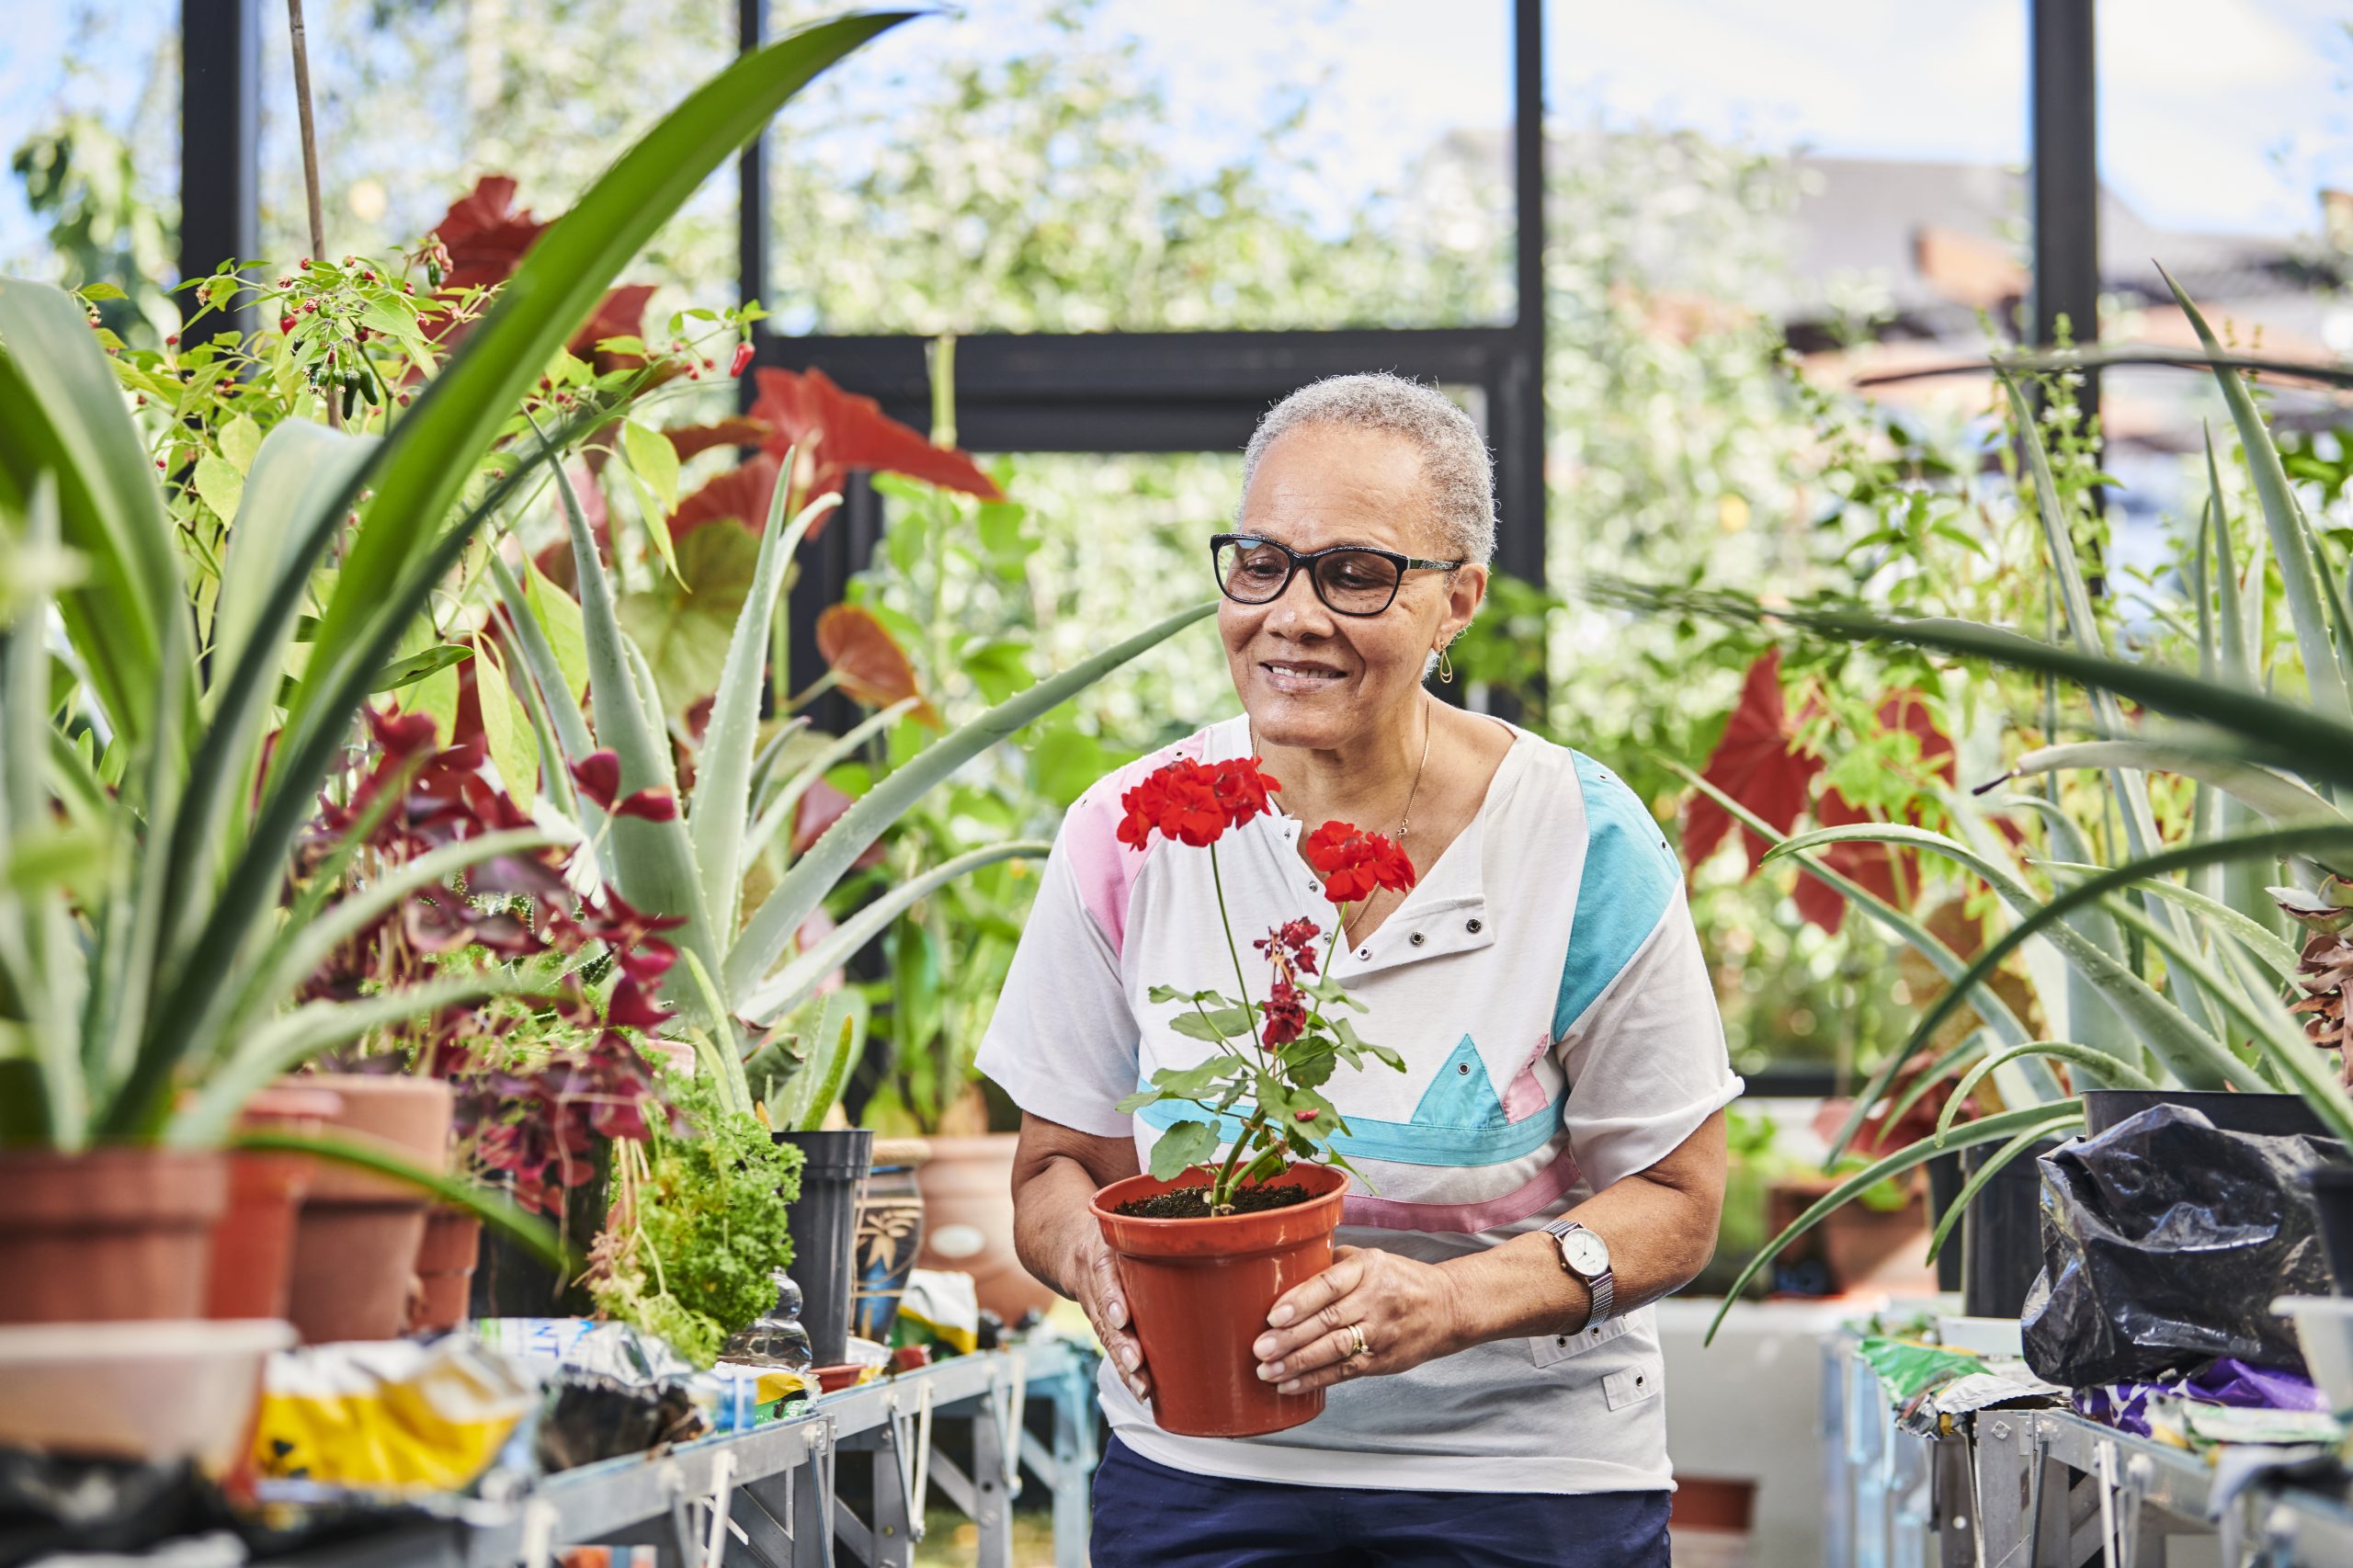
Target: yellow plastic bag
point(392, 1415)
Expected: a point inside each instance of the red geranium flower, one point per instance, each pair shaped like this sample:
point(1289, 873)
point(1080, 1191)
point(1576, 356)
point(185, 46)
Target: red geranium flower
point(1355, 863)
point(1192, 803)
point(1296, 938)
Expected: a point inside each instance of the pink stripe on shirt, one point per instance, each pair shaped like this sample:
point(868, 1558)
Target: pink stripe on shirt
point(1547, 1187)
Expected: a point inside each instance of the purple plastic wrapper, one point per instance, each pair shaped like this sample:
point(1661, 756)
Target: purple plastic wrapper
point(2224, 1380)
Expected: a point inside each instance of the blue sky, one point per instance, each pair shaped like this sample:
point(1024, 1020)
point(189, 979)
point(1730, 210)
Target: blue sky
point(2222, 115)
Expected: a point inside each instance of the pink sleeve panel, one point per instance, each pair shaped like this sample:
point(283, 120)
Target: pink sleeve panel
point(1107, 868)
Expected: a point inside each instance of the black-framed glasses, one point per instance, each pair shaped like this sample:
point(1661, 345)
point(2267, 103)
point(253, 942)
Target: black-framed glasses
point(1351, 579)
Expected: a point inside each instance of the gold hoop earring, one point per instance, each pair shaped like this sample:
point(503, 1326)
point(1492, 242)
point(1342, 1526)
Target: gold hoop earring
point(1445, 664)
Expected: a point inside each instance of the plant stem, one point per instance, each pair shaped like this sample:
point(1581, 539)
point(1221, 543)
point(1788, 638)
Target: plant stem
point(309, 152)
point(1222, 1189)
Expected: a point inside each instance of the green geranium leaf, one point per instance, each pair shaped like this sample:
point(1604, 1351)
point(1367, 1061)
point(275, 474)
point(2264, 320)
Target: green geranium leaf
point(1184, 1144)
point(1191, 1082)
point(1137, 1101)
point(1218, 1024)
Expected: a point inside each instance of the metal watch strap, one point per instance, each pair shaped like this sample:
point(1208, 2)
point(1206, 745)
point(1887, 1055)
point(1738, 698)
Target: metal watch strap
point(1603, 1286)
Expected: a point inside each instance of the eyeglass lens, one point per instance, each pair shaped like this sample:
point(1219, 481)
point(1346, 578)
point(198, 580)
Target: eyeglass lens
point(1353, 582)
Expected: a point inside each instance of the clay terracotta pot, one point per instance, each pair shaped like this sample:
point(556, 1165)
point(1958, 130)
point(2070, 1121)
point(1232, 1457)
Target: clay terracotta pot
point(1199, 1291)
point(109, 1234)
point(253, 1246)
point(355, 1248)
point(966, 1187)
point(445, 1270)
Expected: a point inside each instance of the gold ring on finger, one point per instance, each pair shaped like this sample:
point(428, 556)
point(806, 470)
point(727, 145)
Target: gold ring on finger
point(1356, 1346)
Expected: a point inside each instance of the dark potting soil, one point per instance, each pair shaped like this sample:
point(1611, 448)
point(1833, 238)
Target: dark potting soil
point(1193, 1202)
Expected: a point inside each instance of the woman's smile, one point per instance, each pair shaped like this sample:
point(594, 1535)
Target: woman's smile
point(1300, 676)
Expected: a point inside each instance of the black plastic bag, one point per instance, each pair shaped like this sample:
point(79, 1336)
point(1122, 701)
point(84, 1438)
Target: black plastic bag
point(2164, 1242)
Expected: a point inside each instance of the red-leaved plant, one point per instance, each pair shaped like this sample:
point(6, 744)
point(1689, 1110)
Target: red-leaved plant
point(1280, 1053)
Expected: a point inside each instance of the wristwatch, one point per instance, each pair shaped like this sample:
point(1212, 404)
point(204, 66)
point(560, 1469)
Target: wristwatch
point(1586, 1256)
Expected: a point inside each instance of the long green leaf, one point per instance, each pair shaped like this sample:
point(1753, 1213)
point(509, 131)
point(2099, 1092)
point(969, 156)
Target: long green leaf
point(777, 812)
point(2192, 1054)
point(803, 975)
point(2272, 842)
point(2328, 665)
point(2267, 792)
point(302, 471)
point(1989, 1170)
point(497, 1213)
point(1986, 1130)
point(2112, 1073)
point(722, 797)
point(2258, 939)
point(432, 451)
point(806, 885)
point(2238, 656)
point(62, 413)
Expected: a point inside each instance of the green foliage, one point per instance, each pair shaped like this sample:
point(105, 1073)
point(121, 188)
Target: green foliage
point(697, 1228)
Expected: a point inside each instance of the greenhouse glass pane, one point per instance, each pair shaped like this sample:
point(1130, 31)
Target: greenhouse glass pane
point(416, 102)
point(1152, 165)
point(91, 92)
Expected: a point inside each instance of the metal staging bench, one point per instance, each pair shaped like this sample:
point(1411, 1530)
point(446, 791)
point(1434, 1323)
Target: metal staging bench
point(773, 1487)
point(2040, 1488)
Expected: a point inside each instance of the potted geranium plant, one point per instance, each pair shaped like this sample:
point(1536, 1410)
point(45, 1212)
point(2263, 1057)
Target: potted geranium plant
point(1205, 1246)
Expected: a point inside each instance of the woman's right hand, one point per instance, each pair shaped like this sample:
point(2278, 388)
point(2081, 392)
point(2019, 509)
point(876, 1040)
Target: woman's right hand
point(1094, 1274)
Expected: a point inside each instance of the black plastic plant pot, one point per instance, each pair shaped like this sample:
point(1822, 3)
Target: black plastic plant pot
point(2001, 1237)
point(2332, 1189)
point(1944, 1189)
point(823, 1225)
point(2268, 1116)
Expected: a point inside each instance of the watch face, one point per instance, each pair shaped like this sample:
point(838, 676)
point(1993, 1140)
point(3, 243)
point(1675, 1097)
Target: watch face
point(1585, 1253)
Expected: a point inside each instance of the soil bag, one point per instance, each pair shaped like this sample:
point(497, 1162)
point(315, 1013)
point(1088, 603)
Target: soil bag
point(2164, 1240)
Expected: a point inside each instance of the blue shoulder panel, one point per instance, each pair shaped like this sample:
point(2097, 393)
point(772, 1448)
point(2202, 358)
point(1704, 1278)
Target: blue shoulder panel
point(1629, 881)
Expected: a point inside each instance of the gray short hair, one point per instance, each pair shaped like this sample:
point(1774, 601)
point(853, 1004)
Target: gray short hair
point(1454, 457)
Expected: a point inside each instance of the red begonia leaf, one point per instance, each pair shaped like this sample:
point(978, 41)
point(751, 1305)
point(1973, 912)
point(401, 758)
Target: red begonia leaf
point(486, 235)
point(742, 493)
point(870, 664)
point(819, 807)
point(1756, 763)
point(838, 432)
point(688, 440)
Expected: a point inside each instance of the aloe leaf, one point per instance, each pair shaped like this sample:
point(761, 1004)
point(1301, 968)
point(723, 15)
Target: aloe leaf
point(1989, 1170)
point(431, 450)
point(2266, 792)
point(722, 797)
point(535, 1234)
point(1923, 1083)
point(2112, 1073)
point(62, 412)
point(652, 861)
point(2268, 841)
point(764, 936)
point(1984, 1130)
point(2267, 1016)
point(2191, 1052)
point(2237, 656)
point(778, 811)
point(2312, 606)
point(717, 1045)
point(2258, 939)
point(835, 1044)
point(804, 973)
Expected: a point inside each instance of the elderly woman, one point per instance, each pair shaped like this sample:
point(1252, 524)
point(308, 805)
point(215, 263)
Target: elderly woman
point(1553, 1161)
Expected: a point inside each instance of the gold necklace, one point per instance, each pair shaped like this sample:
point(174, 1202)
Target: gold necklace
point(1404, 818)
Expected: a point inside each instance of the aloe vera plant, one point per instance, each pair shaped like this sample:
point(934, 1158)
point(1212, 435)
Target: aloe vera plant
point(2269, 771)
point(739, 971)
point(136, 997)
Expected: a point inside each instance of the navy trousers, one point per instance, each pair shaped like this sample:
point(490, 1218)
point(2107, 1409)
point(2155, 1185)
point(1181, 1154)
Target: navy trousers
point(1148, 1515)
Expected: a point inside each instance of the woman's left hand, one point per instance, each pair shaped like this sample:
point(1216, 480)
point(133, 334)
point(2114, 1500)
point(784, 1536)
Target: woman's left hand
point(1406, 1310)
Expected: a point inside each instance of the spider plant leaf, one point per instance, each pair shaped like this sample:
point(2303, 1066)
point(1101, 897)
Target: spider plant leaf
point(431, 453)
point(2188, 1050)
point(1985, 1172)
point(497, 1213)
point(801, 976)
point(764, 936)
point(2312, 607)
point(1976, 1042)
point(1993, 1128)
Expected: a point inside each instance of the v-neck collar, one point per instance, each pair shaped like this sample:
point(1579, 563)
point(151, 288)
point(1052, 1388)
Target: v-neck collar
point(1446, 912)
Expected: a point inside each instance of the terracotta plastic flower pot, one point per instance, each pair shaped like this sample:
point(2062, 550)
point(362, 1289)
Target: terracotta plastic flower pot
point(1199, 1291)
point(253, 1246)
point(355, 1247)
point(967, 1186)
point(107, 1236)
point(445, 1270)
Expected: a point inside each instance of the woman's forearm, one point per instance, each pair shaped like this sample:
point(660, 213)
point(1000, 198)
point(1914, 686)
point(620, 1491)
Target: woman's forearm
point(1051, 1220)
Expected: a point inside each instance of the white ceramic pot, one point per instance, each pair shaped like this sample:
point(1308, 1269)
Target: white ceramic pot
point(160, 1390)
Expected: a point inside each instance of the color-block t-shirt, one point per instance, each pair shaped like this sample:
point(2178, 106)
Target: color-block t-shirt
point(1546, 987)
